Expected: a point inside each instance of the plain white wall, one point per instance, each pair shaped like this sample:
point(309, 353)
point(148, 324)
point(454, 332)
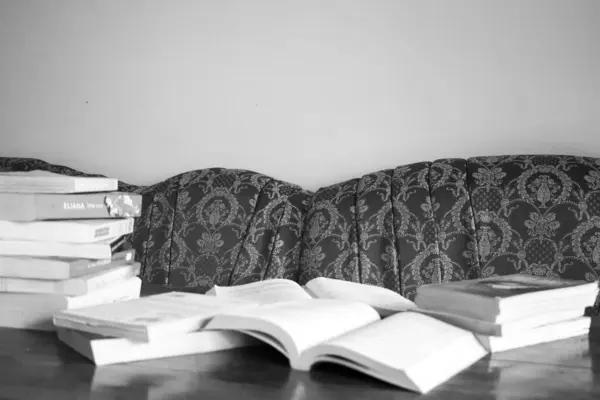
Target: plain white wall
point(308, 91)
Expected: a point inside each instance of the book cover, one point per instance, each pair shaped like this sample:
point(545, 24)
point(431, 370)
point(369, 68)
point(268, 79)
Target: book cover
point(55, 268)
point(74, 286)
point(100, 250)
point(35, 310)
point(38, 181)
point(504, 286)
point(71, 231)
point(44, 206)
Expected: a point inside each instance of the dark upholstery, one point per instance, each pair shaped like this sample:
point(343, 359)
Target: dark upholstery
point(458, 219)
point(212, 226)
point(378, 229)
point(400, 228)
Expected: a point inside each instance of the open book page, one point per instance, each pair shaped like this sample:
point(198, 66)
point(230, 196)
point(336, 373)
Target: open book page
point(407, 349)
point(293, 327)
point(267, 291)
point(385, 301)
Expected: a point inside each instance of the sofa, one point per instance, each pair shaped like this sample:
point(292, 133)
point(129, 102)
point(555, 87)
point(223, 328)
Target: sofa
point(426, 222)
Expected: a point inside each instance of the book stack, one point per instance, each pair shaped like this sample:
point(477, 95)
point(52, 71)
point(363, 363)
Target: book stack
point(60, 246)
point(508, 312)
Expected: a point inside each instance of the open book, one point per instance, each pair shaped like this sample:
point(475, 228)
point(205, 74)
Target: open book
point(408, 349)
point(386, 302)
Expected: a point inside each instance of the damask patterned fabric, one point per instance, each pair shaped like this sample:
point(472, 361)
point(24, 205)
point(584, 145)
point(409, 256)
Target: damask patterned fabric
point(454, 218)
point(223, 226)
point(536, 214)
point(210, 226)
point(379, 229)
point(400, 228)
point(458, 219)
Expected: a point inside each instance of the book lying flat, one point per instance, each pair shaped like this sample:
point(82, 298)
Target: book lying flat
point(550, 332)
point(71, 287)
point(35, 311)
point(512, 327)
point(57, 268)
point(38, 181)
point(95, 251)
point(102, 350)
point(384, 301)
point(71, 231)
point(51, 206)
point(147, 318)
point(407, 349)
point(503, 298)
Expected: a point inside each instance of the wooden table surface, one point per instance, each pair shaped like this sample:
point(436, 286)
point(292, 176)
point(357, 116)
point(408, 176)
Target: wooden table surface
point(35, 365)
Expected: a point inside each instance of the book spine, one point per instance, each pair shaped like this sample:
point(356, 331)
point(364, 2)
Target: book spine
point(31, 207)
point(70, 287)
point(110, 277)
point(84, 267)
point(117, 229)
point(119, 291)
point(95, 251)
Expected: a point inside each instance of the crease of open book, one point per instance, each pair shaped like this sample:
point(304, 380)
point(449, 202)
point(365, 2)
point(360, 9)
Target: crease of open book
point(381, 372)
point(269, 340)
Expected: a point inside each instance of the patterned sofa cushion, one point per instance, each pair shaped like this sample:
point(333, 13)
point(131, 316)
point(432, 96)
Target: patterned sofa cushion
point(210, 226)
point(537, 214)
point(378, 229)
point(223, 226)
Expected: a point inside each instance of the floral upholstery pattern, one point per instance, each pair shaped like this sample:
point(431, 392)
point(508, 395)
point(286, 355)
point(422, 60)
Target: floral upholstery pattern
point(212, 226)
point(378, 229)
point(537, 214)
point(454, 218)
point(400, 228)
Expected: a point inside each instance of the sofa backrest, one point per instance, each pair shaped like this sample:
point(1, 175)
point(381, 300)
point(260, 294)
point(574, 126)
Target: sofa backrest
point(220, 226)
point(400, 228)
point(454, 219)
point(211, 226)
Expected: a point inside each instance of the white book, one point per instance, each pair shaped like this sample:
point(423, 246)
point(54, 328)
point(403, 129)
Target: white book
point(74, 286)
point(384, 301)
point(387, 302)
point(57, 268)
point(71, 231)
point(543, 334)
point(26, 248)
point(407, 349)
point(39, 181)
point(35, 311)
point(147, 318)
point(110, 350)
point(499, 299)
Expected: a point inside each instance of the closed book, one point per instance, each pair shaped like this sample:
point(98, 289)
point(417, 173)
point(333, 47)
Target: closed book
point(102, 350)
point(56, 268)
point(503, 298)
point(35, 311)
point(38, 181)
point(100, 250)
point(71, 231)
point(551, 332)
point(71, 287)
point(44, 206)
point(147, 318)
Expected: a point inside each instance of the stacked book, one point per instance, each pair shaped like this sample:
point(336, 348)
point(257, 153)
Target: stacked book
point(60, 246)
point(508, 312)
